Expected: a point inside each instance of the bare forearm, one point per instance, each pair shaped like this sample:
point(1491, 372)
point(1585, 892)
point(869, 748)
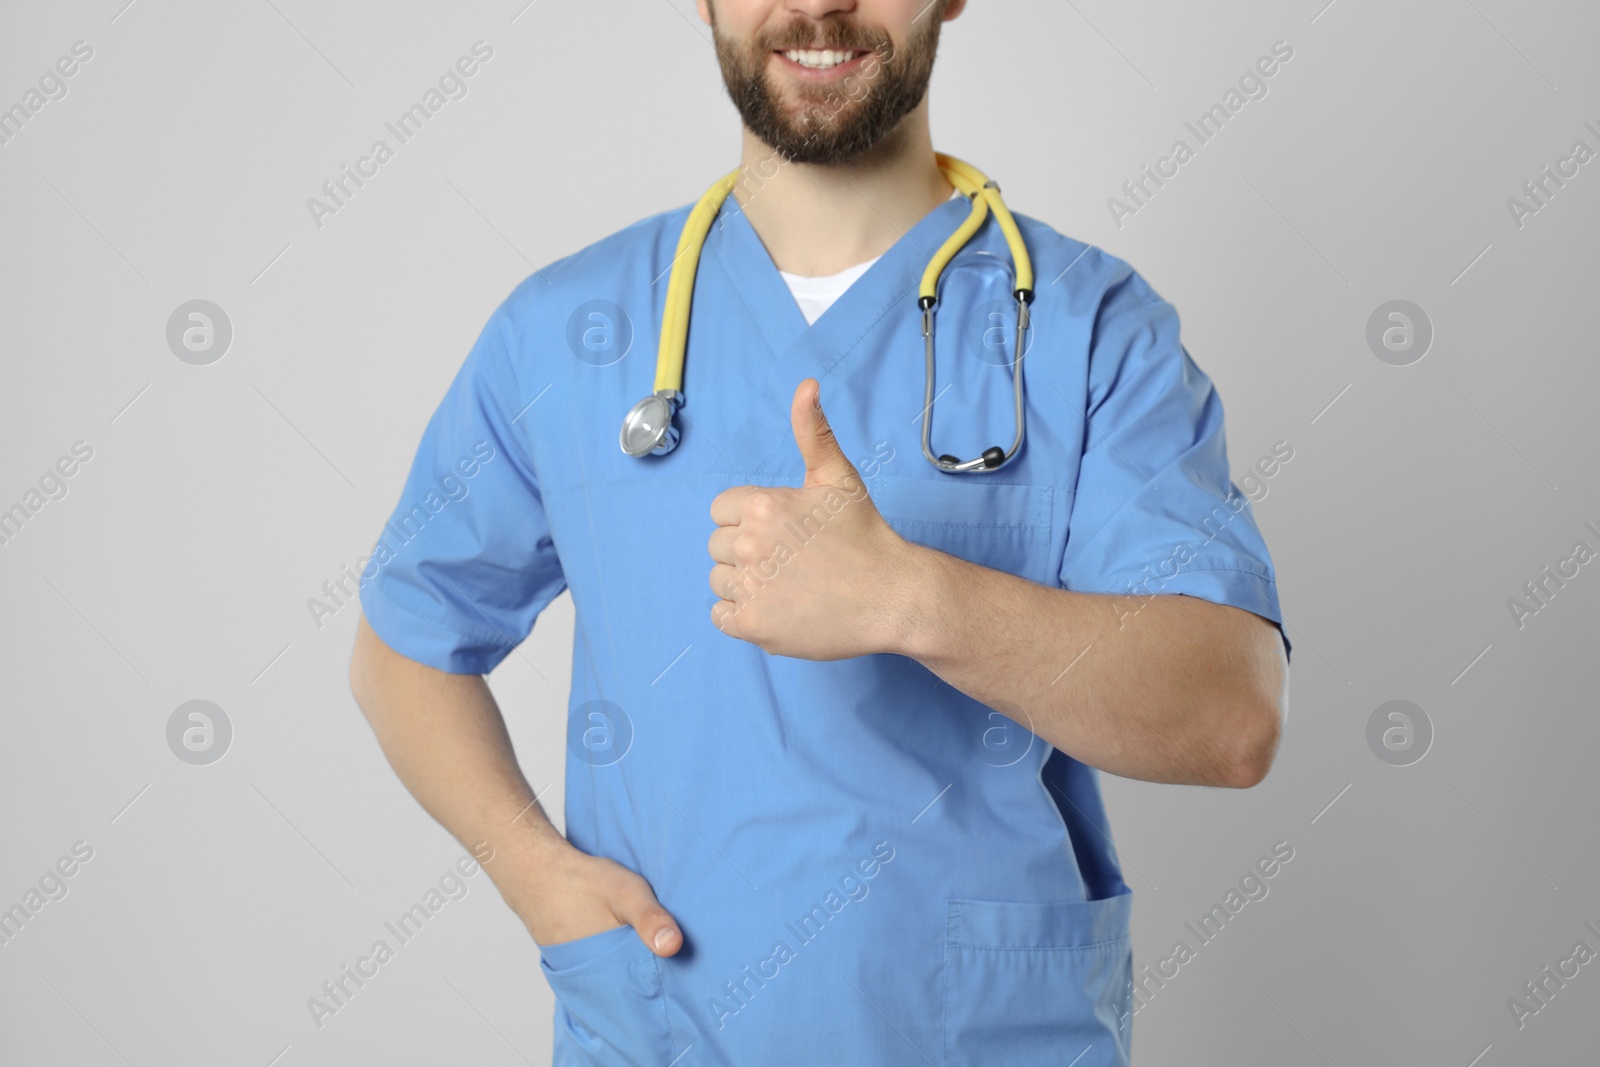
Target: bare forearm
point(445, 738)
point(1180, 690)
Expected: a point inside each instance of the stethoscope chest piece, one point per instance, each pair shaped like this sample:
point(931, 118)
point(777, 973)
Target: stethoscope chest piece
point(648, 429)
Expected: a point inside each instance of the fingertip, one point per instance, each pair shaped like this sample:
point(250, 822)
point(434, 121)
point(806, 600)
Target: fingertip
point(667, 941)
point(815, 386)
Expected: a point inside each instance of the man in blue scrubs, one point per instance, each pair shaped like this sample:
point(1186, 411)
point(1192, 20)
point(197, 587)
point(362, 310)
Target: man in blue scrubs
point(836, 716)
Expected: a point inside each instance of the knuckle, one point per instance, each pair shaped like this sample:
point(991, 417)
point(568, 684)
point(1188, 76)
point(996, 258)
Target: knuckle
point(761, 505)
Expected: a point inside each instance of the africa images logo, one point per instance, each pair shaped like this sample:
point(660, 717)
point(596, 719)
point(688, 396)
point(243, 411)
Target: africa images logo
point(1252, 85)
point(404, 527)
point(452, 85)
point(852, 886)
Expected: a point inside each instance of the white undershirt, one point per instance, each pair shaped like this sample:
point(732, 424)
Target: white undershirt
point(815, 294)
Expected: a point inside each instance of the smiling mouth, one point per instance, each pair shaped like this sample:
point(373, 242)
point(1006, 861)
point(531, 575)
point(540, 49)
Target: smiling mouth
point(820, 58)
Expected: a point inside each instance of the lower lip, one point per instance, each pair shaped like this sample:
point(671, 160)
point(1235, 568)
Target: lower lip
point(831, 73)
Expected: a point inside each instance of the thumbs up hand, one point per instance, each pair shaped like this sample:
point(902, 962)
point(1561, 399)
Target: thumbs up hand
point(812, 572)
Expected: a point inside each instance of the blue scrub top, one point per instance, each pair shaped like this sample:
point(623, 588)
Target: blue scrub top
point(868, 865)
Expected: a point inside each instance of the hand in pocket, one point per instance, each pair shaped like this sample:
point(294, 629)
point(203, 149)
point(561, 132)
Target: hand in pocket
point(584, 895)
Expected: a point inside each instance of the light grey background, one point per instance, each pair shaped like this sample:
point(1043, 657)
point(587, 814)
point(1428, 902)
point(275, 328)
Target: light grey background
point(219, 498)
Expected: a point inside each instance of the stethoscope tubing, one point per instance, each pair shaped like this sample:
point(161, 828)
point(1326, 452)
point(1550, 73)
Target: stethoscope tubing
point(648, 428)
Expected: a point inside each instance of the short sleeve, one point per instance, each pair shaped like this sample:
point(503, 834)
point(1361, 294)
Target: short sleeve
point(466, 562)
point(1155, 510)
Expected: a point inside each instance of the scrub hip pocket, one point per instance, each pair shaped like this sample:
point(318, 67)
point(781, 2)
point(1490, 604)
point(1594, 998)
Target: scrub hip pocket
point(1038, 983)
point(611, 1010)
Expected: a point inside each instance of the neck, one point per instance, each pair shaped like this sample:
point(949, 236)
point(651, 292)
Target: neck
point(816, 219)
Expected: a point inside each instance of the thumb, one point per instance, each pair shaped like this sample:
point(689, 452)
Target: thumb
point(637, 906)
point(826, 463)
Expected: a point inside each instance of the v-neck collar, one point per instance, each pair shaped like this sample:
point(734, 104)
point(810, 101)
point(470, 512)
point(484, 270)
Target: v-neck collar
point(799, 350)
point(753, 273)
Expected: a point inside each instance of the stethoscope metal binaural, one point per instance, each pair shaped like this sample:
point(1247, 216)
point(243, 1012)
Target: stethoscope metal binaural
point(648, 428)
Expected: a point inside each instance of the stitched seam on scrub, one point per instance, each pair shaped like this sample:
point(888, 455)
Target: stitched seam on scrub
point(944, 1029)
point(1041, 948)
point(1207, 570)
point(957, 524)
point(581, 973)
point(1238, 570)
point(666, 1016)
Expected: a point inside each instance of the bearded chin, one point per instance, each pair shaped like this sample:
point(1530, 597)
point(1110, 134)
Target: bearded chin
point(811, 134)
point(829, 124)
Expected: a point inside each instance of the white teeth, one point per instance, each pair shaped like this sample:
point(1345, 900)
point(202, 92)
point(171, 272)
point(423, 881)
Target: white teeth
point(819, 60)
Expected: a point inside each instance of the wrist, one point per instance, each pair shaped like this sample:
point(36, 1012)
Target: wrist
point(914, 592)
point(530, 866)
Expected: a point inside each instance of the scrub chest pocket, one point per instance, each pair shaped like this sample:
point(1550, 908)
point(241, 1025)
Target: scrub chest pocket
point(1005, 526)
point(1032, 984)
point(610, 1005)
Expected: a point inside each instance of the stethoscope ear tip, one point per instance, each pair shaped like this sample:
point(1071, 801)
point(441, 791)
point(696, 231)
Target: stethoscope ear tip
point(993, 457)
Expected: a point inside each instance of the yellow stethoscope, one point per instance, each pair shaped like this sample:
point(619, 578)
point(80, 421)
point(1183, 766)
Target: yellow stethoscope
point(648, 428)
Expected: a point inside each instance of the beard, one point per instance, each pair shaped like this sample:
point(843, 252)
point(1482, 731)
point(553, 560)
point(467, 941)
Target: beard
point(828, 124)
